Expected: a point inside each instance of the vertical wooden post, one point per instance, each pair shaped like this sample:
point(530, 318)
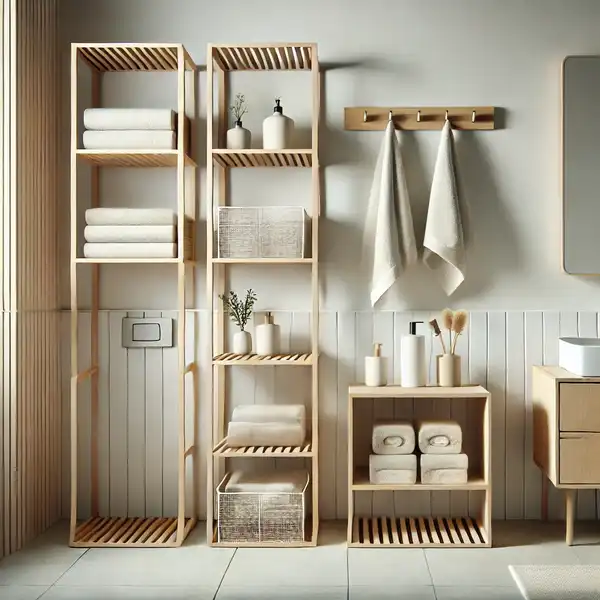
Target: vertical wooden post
point(350, 418)
point(570, 498)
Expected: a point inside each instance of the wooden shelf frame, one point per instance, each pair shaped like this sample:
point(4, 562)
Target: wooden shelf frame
point(377, 530)
point(221, 60)
point(254, 360)
point(103, 531)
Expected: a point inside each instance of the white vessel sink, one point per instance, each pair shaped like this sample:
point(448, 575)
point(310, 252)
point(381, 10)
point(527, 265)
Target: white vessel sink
point(580, 356)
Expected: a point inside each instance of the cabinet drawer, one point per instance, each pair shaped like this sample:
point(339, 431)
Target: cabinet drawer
point(578, 460)
point(579, 407)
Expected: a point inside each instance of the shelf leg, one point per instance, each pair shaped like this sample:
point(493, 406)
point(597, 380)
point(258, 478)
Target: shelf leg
point(570, 496)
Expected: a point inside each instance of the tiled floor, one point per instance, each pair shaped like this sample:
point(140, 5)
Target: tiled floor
point(48, 568)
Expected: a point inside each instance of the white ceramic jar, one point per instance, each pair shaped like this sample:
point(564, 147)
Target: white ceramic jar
point(278, 129)
point(242, 342)
point(238, 137)
point(267, 337)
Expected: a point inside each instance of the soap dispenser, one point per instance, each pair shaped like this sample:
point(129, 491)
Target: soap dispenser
point(375, 368)
point(267, 337)
point(278, 129)
point(413, 371)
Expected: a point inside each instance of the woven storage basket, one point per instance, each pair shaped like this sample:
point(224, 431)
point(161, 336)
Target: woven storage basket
point(263, 232)
point(261, 516)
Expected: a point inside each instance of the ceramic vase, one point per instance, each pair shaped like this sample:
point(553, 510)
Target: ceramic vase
point(242, 342)
point(448, 370)
point(238, 137)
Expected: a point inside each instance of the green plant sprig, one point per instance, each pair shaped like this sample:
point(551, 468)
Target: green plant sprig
point(239, 311)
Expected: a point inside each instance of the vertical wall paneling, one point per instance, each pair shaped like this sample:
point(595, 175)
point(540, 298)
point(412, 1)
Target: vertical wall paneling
point(104, 378)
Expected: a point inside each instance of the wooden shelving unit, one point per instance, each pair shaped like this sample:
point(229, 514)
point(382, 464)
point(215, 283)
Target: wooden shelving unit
point(136, 530)
point(365, 531)
point(223, 59)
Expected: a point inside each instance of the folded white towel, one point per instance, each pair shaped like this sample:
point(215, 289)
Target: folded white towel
point(265, 434)
point(130, 233)
point(389, 241)
point(444, 242)
point(268, 482)
point(394, 437)
point(270, 413)
point(139, 250)
point(444, 468)
point(396, 468)
point(439, 437)
point(129, 140)
point(130, 216)
point(129, 118)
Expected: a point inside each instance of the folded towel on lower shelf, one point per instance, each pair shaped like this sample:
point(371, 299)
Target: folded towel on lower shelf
point(444, 468)
point(294, 481)
point(393, 437)
point(392, 468)
point(129, 140)
point(439, 437)
point(129, 250)
point(130, 216)
point(113, 119)
point(130, 234)
point(269, 413)
point(265, 434)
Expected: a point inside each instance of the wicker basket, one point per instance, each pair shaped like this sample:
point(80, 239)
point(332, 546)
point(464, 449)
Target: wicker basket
point(263, 232)
point(261, 516)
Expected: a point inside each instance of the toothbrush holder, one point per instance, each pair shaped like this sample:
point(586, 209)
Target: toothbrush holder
point(448, 370)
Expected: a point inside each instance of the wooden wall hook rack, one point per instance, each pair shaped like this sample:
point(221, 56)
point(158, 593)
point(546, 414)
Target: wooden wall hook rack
point(374, 118)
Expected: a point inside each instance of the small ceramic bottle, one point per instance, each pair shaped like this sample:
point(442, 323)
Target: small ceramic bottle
point(238, 137)
point(278, 129)
point(267, 337)
point(375, 368)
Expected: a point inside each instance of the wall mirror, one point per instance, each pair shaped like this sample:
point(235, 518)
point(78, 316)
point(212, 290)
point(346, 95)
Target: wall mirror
point(581, 164)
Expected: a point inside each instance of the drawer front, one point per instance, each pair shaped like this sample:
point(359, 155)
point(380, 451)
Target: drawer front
point(578, 461)
point(579, 407)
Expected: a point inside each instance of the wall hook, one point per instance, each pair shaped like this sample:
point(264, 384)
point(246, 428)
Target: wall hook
point(473, 116)
point(365, 117)
point(390, 116)
point(446, 118)
point(418, 116)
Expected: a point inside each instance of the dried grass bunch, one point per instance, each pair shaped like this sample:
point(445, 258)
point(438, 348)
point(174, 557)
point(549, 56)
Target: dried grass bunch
point(455, 322)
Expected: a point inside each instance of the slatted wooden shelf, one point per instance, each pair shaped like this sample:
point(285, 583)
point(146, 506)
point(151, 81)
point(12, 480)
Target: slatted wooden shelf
point(133, 57)
point(263, 261)
point(418, 532)
point(263, 158)
point(245, 360)
point(264, 57)
point(128, 261)
point(222, 449)
point(361, 482)
point(309, 541)
point(129, 532)
point(132, 158)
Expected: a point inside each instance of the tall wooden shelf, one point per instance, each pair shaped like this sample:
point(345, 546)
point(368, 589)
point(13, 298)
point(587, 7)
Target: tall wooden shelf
point(136, 530)
point(222, 60)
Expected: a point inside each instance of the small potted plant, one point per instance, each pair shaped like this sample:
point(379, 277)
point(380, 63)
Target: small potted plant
point(448, 363)
point(238, 138)
point(240, 312)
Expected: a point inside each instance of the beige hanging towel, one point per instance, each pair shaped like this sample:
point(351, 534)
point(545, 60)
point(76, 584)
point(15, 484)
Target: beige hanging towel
point(389, 234)
point(444, 243)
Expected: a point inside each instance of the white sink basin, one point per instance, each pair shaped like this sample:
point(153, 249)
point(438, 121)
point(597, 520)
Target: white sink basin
point(580, 356)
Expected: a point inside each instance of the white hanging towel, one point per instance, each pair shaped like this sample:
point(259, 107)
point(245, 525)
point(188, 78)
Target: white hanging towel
point(389, 241)
point(444, 244)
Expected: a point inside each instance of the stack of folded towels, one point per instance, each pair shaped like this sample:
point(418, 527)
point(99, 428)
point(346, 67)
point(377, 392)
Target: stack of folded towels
point(129, 129)
point(442, 461)
point(267, 425)
point(130, 233)
point(393, 460)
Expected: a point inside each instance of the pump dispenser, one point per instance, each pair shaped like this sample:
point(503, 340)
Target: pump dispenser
point(278, 129)
point(375, 368)
point(267, 337)
point(413, 368)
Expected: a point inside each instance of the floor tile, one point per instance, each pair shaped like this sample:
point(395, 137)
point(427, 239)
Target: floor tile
point(477, 593)
point(193, 564)
point(130, 592)
point(392, 567)
point(42, 561)
point(21, 592)
point(412, 592)
point(227, 592)
point(323, 566)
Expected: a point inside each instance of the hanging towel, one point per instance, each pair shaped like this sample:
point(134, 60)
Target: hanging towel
point(389, 234)
point(444, 245)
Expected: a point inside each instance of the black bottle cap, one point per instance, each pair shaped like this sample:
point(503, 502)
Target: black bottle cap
point(413, 327)
point(278, 108)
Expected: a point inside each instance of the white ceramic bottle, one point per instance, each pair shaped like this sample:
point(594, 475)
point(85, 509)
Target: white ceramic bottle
point(375, 368)
point(267, 337)
point(278, 129)
point(238, 137)
point(413, 369)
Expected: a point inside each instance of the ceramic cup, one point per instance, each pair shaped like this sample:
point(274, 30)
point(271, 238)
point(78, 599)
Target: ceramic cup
point(448, 370)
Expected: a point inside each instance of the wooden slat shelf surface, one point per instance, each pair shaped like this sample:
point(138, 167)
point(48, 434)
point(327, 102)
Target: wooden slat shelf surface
point(133, 158)
point(263, 158)
point(263, 261)
point(396, 391)
point(244, 360)
point(263, 57)
point(140, 532)
point(361, 482)
point(222, 449)
point(417, 532)
point(128, 261)
point(133, 57)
